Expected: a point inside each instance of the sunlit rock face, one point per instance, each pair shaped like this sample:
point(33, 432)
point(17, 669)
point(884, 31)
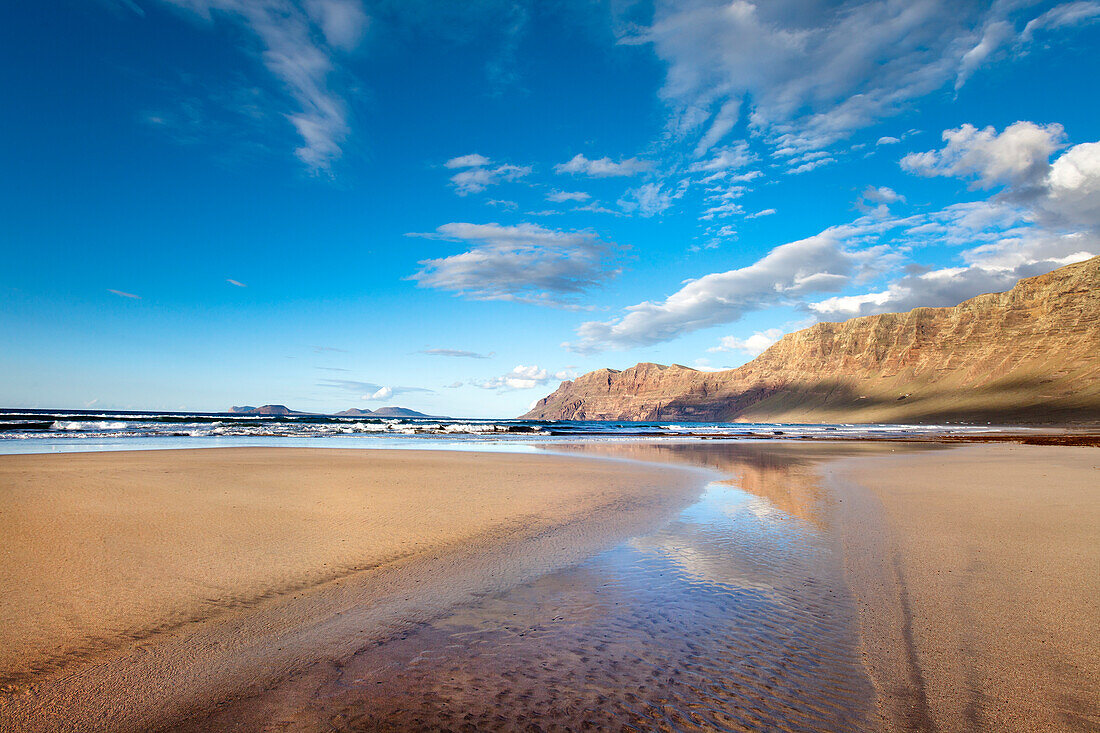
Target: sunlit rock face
point(1029, 355)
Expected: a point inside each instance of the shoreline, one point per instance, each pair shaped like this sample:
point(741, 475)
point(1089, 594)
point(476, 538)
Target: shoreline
point(247, 621)
point(968, 565)
point(974, 574)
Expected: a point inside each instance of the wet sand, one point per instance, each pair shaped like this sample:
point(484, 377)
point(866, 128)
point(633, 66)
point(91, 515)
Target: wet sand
point(732, 616)
point(812, 587)
point(141, 586)
point(977, 575)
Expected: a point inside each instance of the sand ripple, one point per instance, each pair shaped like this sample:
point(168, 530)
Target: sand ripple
point(732, 617)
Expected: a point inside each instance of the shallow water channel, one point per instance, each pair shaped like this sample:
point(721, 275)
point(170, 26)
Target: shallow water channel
point(734, 615)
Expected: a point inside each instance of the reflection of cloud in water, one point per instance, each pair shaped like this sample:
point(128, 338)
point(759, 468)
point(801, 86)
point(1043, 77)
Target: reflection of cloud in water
point(783, 474)
point(737, 540)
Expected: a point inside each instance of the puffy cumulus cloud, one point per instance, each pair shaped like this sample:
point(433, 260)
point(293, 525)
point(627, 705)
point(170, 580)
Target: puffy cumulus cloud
point(821, 263)
point(478, 173)
point(523, 377)
point(1018, 156)
point(300, 42)
point(1072, 186)
point(754, 345)
point(603, 167)
point(805, 75)
point(383, 393)
point(1064, 194)
point(526, 263)
point(876, 200)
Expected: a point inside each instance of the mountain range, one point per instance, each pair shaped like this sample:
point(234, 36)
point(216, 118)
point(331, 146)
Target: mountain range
point(1030, 355)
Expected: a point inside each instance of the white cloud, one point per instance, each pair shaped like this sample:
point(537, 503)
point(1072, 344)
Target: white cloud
point(881, 195)
point(1066, 14)
point(295, 54)
point(561, 196)
point(461, 353)
point(343, 22)
point(604, 167)
point(993, 268)
point(730, 157)
point(877, 200)
point(758, 214)
point(887, 140)
point(523, 377)
point(805, 75)
point(238, 283)
point(754, 345)
point(369, 390)
point(1017, 156)
point(1072, 187)
point(650, 199)
point(124, 294)
point(479, 175)
point(526, 263)
point(1064, 194)
point(821, 263)
point(473, 160)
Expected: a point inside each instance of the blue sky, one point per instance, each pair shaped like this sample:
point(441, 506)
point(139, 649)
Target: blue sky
point(452, 207)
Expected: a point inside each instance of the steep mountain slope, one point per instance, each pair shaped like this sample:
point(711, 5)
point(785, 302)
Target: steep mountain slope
point(1029, 355)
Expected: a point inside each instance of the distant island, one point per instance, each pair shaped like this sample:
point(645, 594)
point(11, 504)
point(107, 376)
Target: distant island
point(1027, 356)
point(352, 412)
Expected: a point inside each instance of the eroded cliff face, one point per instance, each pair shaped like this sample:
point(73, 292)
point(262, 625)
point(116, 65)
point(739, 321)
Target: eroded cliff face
point(1029, 355)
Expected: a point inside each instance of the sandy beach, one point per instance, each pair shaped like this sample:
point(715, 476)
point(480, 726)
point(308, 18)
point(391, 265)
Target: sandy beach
point(139, 585)
point(977, 575)
point(935, 588)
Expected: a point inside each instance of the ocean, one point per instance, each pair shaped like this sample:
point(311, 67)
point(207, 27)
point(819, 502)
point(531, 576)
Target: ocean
point(43, 431)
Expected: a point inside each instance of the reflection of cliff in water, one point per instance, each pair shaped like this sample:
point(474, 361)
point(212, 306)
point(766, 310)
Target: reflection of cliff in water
point(783, 473)
point(731, 616)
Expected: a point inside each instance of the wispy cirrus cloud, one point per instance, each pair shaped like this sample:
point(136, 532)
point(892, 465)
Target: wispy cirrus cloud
point(457, 353)
point(300, 47)
point(563, 196)
point(804, 76)
point(123, 294)
point(370, 390)
point(525, 263)
point(238, 283)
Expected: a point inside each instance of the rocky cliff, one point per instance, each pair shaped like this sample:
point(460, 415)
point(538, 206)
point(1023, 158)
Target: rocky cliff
point(1029, 355)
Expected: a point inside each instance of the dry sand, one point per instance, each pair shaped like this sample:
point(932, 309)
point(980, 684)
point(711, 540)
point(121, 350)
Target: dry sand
point(977, 575)
point(139, 587)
